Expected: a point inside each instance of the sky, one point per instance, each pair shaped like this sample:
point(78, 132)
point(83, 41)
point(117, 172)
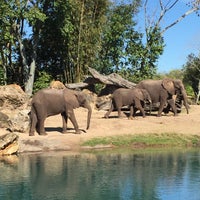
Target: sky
point(181, 39)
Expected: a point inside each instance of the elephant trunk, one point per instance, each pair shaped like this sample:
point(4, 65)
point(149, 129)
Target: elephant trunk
point(185, 103)
point(150, 106)
point(89, 115)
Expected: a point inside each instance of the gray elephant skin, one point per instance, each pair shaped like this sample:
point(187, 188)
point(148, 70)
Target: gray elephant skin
point(162, 91)
point(135, 98)
point(49, 102)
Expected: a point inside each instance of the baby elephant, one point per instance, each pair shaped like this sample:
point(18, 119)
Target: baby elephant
point(135, 98)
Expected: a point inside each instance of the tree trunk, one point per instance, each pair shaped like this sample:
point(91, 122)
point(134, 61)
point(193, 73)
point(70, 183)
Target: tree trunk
point(30, 80)
point(78, 65)
point(198, 95)
point(31, 74)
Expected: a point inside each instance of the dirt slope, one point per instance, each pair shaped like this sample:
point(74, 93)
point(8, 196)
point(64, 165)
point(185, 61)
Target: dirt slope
point(100, 127)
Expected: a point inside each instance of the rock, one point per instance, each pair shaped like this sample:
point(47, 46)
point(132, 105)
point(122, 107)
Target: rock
point(4, 119)
point(9, 144)
point(10, 149)
point(103, 102)
point(20, 121)
point(12, 97)
point(14, 108)
point(57, 85)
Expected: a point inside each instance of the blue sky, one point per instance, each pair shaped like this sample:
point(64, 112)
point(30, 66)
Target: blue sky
point(181, 39)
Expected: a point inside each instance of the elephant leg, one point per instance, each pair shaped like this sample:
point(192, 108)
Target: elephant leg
point(40, 125)
point(173, 106)
point(161, 107)
point(131, 112)
point(119, 112)
point(33, 119)
point(139, 107)
point(64, 121)
point(73, 120)
point(109, 111)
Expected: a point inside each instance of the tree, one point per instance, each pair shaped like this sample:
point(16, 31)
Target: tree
point(16, 15)
point(70, 37)
point(192, 72)
point(119, 38)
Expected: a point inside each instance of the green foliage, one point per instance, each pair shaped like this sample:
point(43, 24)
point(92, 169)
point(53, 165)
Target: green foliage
point(191, 72)
point(43, 81)
point(18, 24)
point(189, 90)
point(118, 33)
point(67, 36)
point(2, 81)
point(176, 74)
point(152, 140)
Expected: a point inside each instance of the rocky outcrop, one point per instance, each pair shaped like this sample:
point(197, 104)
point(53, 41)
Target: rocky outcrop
point(14, 108)
point(57, 85)
point(9, 144)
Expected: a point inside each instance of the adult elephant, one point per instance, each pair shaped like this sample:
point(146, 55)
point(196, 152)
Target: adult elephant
point(49, 102)
point(135, 98)
point(162, 91)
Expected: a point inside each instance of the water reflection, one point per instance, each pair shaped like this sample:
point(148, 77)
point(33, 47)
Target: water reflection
point(111, 175)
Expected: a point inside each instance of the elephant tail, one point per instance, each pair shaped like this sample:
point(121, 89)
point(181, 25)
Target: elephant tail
point(33, 120)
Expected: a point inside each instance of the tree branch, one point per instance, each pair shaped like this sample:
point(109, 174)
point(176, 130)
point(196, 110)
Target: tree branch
point(179, 19)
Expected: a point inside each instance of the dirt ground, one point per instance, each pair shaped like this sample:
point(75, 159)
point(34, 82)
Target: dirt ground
point(100, 127)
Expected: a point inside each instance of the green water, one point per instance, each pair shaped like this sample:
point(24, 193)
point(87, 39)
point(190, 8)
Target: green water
point(168, 175)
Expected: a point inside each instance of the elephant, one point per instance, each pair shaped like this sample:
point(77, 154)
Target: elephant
point(135, 98)
point(162, 91)
point(48, 102)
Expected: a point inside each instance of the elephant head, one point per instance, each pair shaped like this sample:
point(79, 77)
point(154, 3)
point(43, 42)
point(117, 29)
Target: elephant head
point(144, 96)
point(84, 102)
point(176, 87)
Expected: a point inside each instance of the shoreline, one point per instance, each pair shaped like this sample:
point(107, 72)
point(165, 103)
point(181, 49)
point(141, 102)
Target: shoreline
point(183, 125)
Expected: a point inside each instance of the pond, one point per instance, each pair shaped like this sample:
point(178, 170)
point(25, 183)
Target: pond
point(102, 175)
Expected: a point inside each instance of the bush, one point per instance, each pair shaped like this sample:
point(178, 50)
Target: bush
point(43, 81)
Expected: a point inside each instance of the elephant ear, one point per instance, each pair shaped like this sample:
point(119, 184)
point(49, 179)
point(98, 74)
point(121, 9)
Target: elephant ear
point(168, 84)
point(81, 99)
point(140, 95)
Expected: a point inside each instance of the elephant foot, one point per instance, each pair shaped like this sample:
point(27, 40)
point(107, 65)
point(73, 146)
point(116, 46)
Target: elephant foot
point(64, 132)
point(120, 117)
point(78, 132)
point(131, 118)
point(31, 134)
point(43, 134)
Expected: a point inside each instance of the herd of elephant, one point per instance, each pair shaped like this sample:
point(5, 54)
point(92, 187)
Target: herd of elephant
point(49, 102)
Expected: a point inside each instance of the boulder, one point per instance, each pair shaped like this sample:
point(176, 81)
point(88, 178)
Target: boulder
point(4, 119)
point(12, 97)
point(57, 85)
point(9, 144)
point(14, 108)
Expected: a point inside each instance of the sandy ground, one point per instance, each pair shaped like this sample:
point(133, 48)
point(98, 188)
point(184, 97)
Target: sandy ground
point(101, 127)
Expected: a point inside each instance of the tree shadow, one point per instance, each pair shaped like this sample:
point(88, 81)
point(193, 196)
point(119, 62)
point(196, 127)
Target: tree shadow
point(60, 130)
point(52, 129)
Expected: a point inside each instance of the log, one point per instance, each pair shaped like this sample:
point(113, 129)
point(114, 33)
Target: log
point(112, 79)
point(96, 77)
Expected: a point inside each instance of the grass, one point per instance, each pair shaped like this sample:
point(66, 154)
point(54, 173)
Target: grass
point(147, 140)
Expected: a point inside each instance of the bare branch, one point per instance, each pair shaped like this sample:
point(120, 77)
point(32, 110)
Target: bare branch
point(170, 7)
point(161, 5)
point(179, 19)
point(164, 8)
